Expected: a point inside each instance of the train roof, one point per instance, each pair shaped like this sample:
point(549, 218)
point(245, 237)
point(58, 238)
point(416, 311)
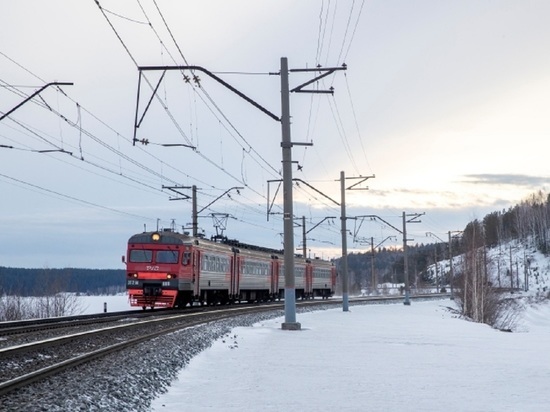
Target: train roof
point(171, 237)
point(166, 237)
point(174, 238)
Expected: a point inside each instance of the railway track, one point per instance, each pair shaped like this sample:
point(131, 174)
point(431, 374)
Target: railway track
point(20, 365)
point(34, 325)
point(23, 364)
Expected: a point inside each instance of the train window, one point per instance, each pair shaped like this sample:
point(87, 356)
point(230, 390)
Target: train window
point(213, 263)
point(141, 256)
point(167, 256)
point(255, 268)
point(186, 258)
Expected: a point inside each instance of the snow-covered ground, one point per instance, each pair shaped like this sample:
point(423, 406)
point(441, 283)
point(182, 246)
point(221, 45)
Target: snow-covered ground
point(386, 357)
point(377, 358)
point(96, 304)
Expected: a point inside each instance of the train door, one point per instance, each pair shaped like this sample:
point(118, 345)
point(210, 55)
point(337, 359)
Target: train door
point(238, 273)
point(309, 280)
point(234, 277)
point(196, 271)
point(274, 277)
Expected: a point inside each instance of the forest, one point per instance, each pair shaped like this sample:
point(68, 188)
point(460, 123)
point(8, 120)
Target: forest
point(42, 282)
point(484, 278)
point(528, 221)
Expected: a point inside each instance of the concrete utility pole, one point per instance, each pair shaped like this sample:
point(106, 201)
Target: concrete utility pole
point(345, 287)
point(195, 219)
point(405, 262)
point(304, 246)
point(288, 224)
point(373, 273)
point(405, 250)
point(374, 217)
point(286, 144)
point(345, 281)
point(305, 231)
point(451, 281)
point(373, 277)
point(194, 212)
point(437, 278)
point(288, 217)
point(451, 261)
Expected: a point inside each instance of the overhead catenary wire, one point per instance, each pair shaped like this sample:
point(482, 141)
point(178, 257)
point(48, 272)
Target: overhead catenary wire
point(354, 30)
point(77, 124)
point(342, 132)
point(357, 128)
point(71, 198)
point(180, 130)
point(73, 124)
point(167, 168)
point(346, 31)
point(203, 90)
point(104, 144)
point(331, 34)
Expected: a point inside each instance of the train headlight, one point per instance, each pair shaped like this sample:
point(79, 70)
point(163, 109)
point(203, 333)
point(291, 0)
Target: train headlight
point(155, 237)
point(168, 276)
point(135, 275)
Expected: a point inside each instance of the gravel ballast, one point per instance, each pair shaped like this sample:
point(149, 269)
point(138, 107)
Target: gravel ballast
point(127, 380)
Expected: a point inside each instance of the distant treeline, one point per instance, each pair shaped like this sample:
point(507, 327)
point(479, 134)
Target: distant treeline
point(41, 282)
point(530, 219)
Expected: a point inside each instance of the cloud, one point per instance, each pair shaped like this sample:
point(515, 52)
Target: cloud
point(506, 179)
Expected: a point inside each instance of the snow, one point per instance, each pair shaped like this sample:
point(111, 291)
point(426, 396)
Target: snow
point(375, 357)
point(95, 304)
point(381, 357)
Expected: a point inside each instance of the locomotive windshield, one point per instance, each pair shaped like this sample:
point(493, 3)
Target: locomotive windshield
point(141, 256)
point(167, 256)
point(146, 256)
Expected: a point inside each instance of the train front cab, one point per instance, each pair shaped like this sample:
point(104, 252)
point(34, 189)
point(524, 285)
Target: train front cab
point(158, 271)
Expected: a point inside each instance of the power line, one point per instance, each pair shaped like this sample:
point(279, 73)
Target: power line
point(170, 32)
point(124, 17)
point(330, 37)
point(342, 133)
point(53, 192)
point(356, 122)
point(354, 30)
point(213, 163)
point(89, 134)
point(346, 31)
point(250, 147)
point(118, 152)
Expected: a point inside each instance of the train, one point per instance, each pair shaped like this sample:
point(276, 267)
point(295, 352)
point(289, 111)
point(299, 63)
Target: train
point(168, 269)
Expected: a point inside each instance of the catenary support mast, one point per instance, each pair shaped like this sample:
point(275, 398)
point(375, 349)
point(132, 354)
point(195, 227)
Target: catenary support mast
point(288, 219)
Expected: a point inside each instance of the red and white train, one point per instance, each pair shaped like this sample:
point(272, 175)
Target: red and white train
point(167, 269)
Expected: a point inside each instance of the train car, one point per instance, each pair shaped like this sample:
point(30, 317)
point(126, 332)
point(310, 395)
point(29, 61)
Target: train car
point(323, 278)
point(168, 269)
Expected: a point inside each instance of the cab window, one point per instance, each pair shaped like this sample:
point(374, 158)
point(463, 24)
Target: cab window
point(167, 256)
point(186, 258)
point(141, 256)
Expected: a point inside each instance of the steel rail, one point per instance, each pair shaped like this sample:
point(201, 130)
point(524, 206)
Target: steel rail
point(207, 317)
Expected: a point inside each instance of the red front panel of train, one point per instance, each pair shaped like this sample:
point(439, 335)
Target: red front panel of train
point(156, 272)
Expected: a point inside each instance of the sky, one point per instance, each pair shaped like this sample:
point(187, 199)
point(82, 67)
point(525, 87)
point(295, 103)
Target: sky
point(442, 102)
point(376, 358)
